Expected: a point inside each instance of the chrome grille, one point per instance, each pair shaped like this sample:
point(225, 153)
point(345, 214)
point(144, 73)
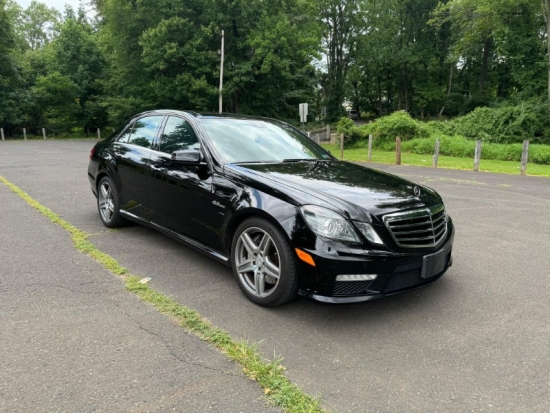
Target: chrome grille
point(420, 228)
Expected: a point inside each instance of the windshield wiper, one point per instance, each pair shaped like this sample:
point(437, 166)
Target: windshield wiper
point(301, 160)
point(305, 160)
point(251, 162)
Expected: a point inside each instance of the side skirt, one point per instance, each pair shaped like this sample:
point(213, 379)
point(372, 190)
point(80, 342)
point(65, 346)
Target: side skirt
point(178, 237)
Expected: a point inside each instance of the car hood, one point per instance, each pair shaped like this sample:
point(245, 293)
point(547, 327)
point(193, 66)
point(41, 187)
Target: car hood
point(356, 191)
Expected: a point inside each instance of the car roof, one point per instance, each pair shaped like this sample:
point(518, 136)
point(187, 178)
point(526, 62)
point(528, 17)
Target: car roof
point(203, 115)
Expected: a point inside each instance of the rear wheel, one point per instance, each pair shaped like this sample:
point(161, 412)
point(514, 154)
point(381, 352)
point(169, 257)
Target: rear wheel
point(108, 204)
point(263, 263)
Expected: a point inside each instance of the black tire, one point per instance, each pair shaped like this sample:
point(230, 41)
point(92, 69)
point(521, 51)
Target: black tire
point(111, 219)
point(286, 288)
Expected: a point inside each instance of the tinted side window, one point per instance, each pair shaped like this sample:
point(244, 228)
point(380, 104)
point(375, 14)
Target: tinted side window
point(178, 135)
point(126, 134)
point(144, 131)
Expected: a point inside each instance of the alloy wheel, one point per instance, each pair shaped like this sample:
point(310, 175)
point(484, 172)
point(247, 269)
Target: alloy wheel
point(257, 261)
point(106, 203)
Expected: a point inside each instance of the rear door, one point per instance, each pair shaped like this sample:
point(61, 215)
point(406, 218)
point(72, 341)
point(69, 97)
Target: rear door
point(180, 194)
point(131, 153)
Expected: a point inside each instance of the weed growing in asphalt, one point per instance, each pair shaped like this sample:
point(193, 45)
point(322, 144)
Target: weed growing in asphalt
point(269, 374)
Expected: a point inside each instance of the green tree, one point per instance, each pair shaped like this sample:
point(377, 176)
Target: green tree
point(75, 53)
point(342, 22)
point(499, 43)
point(10, 80)
point(37, 24)
point(56, 97)
point(164, 54)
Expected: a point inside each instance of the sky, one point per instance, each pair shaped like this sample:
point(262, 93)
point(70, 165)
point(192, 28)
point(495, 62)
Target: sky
point(58, 4)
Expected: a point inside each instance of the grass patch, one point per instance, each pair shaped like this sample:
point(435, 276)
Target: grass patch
point(450, 162)
point(270, 375)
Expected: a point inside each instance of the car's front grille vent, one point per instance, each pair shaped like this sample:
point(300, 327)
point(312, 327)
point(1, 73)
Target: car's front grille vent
point(350, 287)
point(420, 228)
point(403, 280)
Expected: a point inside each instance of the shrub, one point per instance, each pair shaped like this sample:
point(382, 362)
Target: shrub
point(397, 124)
point(506, 124)
point(352, 134)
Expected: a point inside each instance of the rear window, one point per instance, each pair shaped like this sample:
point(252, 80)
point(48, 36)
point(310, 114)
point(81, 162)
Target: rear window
point(145, 130)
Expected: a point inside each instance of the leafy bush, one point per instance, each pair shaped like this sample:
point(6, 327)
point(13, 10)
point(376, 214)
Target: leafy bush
point(506, 124)
point(352, 134)
point(397, 124)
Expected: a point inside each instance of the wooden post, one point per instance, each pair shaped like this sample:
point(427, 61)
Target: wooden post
point(317, 139)
point(98, 133)
point(328, 133)
point(342, 146)
point(398, 151)
point(309, 135)
point(524, 157)
point(477, 156)
point(221, 72)
point(436, 152)
point(25, 133)
point(44, 133)
point(370, 149)
point(2, 133)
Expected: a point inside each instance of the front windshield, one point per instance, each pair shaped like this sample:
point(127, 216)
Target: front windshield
point(244, 140)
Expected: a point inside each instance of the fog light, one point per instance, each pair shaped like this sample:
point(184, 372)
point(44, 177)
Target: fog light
point(356, 277)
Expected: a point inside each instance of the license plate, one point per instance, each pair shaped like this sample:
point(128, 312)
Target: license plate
point(434, 264)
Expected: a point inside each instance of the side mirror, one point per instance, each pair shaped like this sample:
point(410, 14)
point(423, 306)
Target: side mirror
point(187, 156)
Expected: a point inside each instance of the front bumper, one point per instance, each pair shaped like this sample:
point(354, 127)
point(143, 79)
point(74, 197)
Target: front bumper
point(397, 273)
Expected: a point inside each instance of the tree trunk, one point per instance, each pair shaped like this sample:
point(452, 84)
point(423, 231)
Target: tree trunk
point(379, 96)
point(448, 90)
point(485, 64)
point(546, 13)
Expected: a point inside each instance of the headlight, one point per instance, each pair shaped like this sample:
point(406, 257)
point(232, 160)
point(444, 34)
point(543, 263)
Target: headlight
point(327, 223)
point(368, 231)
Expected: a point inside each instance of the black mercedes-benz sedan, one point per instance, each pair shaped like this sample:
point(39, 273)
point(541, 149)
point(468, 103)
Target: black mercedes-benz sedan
point(258, 195)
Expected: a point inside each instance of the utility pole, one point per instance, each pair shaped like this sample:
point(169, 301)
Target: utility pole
point(221, 71)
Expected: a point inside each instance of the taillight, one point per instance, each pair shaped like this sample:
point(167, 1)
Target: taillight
point(92, 153)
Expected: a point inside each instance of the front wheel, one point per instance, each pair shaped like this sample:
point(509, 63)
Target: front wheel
point(263, 263)
point(108, 204)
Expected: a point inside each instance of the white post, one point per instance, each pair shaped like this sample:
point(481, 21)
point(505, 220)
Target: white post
point(436, 153)
point(25, 133)
point(2, 132)
point(477, 156)
point(398, 151)
point(524, 157)
point(221, 71)
point(44, 133)
point(370, 149)
point(98, 133)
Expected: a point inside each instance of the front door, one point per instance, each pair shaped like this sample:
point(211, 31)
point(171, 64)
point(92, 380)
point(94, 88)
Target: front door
point(180, 194)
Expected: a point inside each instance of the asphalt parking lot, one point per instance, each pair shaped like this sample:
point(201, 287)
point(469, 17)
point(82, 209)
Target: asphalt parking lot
point(478, 340)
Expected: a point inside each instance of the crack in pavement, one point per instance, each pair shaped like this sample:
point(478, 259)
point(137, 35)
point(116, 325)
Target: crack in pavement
point(169, 347)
